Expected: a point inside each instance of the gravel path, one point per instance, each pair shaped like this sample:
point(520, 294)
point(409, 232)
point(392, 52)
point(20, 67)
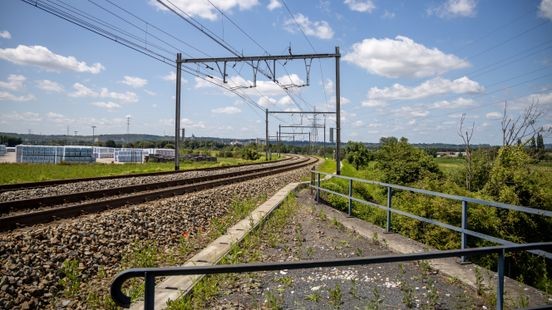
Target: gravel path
point(114, 183)
point(310, 235)
point(32, 258)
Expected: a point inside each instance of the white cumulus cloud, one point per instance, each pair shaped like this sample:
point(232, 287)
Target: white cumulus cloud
point(107, 105)
point(494, 115)
point(41, 56)
point(436, 86)
point(454, 104)
point(401, 57)
point(5, 96)
point(545, 9)
point(226, 110)
point(454, 8)
point(83, 91)
point(204, 9)
point(320, 29)
point(14, 82)
point(5, 34)
point(49, 86)
point(134, 81)
point(361, 5)
point(274, 4)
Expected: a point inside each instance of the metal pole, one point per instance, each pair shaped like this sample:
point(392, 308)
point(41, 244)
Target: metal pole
point(324, 144)
point(500, 284)
point(149, 291)
point(389, 197)
point(279, 140)
point(93, 129)
point(350, 196)
point(463, 236)
point(177, 113)
point(318, 187)
point(309, 147)
point(337, 112)
point(266, 133)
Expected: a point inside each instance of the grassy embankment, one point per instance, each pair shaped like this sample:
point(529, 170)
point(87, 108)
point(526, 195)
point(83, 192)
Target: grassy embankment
point(21, 172)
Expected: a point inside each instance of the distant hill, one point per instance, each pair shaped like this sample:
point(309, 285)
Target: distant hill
point(131, 138)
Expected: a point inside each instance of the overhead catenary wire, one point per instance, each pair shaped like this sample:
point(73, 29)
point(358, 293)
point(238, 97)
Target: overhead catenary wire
point(72, 16)
point(288, 92)
point(199, 26)
point(312, 46)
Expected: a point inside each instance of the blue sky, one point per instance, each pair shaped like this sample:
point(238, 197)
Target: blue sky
point(408, 68)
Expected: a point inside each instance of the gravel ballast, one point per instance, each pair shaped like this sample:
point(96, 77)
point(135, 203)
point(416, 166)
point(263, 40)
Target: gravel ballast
point(32, 258)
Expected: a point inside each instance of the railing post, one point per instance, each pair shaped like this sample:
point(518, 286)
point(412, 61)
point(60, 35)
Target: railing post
point(463, 235)
point(149, 291)
point(500, 284)
point(350, 196)
point(389, 195)
point(312, 180)
point(318, 187)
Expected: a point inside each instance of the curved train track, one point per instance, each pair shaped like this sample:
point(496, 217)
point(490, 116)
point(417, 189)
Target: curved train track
point(23, 212)
point(30, 185)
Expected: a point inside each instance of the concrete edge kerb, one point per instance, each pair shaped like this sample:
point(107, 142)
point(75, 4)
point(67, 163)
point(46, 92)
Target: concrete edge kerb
point(174, 287)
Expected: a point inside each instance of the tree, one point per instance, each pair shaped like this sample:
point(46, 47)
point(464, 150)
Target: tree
point(357, 154)
point(524, 126)
point(466, 138)
point(110, 143)
point(401, 163)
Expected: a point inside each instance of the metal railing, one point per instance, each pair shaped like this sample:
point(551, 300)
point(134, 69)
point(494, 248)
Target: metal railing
point(149, 274)
point(463, 229)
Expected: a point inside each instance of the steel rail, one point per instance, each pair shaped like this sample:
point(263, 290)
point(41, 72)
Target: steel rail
point(44, 201)
point(15, 221)
point(29, 185)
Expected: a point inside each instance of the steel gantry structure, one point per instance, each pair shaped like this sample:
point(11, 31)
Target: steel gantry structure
point(266, 65)
point(338, 170)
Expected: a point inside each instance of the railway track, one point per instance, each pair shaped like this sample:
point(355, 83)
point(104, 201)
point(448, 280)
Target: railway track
point(23, 212)
point(31, 185)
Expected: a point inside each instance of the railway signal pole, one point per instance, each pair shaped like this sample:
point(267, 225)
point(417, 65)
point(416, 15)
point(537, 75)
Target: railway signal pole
point(177, 113)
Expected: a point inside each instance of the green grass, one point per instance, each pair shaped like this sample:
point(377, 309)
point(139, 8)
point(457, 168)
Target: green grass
point(450, 165)
point(327, 166)
point(20, 172)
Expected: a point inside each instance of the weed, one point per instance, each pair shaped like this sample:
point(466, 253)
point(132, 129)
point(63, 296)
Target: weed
point(142, 255)
point(522, 302)
point(310, 251)
point(338, 224)
point(322, 216)
point(286, 281)
point(375, 238)
point(71, 279)
point(359, 252)
point(314, 297)
point(336, 297)
point(354, 290)
point(376, 300)
point(479, 281)
point(273, 302)
point(408, 294)
point(432, 294)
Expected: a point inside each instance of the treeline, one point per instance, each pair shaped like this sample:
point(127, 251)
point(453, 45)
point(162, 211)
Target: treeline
point(509, 174)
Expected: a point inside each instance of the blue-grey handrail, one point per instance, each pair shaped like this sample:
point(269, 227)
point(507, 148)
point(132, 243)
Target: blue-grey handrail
point(463, 230)
point(150, 274)
point(448, 196)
